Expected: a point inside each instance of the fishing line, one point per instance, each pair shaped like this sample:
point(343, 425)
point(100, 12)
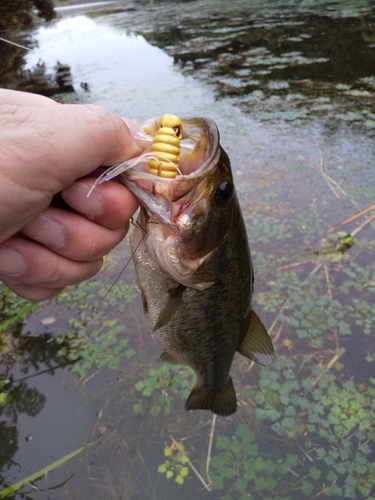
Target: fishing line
point(32, 50)
point(135, 224)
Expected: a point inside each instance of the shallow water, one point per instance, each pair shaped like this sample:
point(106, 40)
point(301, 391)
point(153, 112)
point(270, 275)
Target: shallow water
point(292, 91)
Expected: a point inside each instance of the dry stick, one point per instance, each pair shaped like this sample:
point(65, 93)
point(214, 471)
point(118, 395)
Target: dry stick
point(332, 183)
point(329, 291)
point(209, 449)
point(148, 474)
point(325, 176)
point(305, 453)
point(289, 266)
point(335, 358)
point(207, 486)
point(364, 223)
point(278, 333)
point(352, 217)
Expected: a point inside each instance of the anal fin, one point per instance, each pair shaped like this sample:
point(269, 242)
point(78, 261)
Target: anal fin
point(255, 343)
point(168, 357)
point(222, 402)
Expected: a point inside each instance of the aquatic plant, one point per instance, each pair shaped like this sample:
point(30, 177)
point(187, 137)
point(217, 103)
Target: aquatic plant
point(163, 383)
point(175, 464)
point(95, 340)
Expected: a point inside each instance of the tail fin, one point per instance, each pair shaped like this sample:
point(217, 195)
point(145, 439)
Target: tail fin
point(222, 402)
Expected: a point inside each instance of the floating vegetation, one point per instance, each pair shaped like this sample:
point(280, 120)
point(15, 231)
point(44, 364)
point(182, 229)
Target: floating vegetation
point(94, 340)
point(175, 463)
point(163, 383)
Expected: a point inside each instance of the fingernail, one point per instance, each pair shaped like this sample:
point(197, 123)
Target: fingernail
point(76, 197)
point(137, 132)
point(12, 263)
point(46, 230)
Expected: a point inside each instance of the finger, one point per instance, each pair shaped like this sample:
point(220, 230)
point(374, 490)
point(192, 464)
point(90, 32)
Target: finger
point(29, 263)
point(30, 292)
point(110, 204)
point(18, 98)
point(72, 236)
point(73, 140)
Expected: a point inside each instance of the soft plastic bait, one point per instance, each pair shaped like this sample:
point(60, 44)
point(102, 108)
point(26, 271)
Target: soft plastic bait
point(166, 147)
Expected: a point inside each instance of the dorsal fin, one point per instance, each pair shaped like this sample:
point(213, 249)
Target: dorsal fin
point(174, 297)
point(255, 342)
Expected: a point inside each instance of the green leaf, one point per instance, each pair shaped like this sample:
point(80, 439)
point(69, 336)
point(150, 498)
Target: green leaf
point(138, 408)
point(306, 487)
point(235, 446)
point(240, 485)
point(169, 474)
point(228, 472)
point(250, 471)
point(315, 473)
point(245, 434)
point(184, 471)
point(222, 442)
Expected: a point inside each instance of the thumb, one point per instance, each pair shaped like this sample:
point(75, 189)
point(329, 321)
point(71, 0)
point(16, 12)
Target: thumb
point(45, 149)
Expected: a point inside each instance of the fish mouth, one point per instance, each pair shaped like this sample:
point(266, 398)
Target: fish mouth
point(167, 199)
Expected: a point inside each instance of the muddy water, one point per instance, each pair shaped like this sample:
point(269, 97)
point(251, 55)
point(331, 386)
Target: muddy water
point(291, 88)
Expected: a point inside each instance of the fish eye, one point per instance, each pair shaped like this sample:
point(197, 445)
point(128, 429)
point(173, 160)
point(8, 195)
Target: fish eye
point(224, 193)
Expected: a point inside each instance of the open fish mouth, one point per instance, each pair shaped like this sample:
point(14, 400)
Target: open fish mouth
point(199, 150)
point(170, 199)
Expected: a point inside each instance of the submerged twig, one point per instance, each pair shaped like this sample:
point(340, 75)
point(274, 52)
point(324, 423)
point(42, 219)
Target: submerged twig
point(294, 264)
point(329, 365)
point(326, 273)
point(330, 182)
point(206, 485)
point(352, 217)
point(148, 474)
point(364, 224)
point(37, 475)
point(210, 448)
point(305, 453)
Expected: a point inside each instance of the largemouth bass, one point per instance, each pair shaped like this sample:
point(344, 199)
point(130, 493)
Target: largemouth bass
point(194, 268)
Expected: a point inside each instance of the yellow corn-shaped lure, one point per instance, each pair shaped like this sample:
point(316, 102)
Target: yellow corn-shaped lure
point(166, 147)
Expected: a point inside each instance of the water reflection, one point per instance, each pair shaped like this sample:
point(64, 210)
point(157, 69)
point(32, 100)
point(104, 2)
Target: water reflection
point(279, 61)
point(34, 355)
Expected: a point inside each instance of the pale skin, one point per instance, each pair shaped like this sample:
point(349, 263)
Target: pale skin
point(50, 149)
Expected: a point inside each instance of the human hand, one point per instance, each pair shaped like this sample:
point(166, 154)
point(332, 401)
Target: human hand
point(47, 149)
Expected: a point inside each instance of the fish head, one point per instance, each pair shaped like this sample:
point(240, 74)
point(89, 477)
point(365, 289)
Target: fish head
point(187, 217)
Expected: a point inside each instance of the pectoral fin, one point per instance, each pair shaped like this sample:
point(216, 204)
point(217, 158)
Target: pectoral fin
point(222, 402)
point(255, 343)
point(170, 307)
